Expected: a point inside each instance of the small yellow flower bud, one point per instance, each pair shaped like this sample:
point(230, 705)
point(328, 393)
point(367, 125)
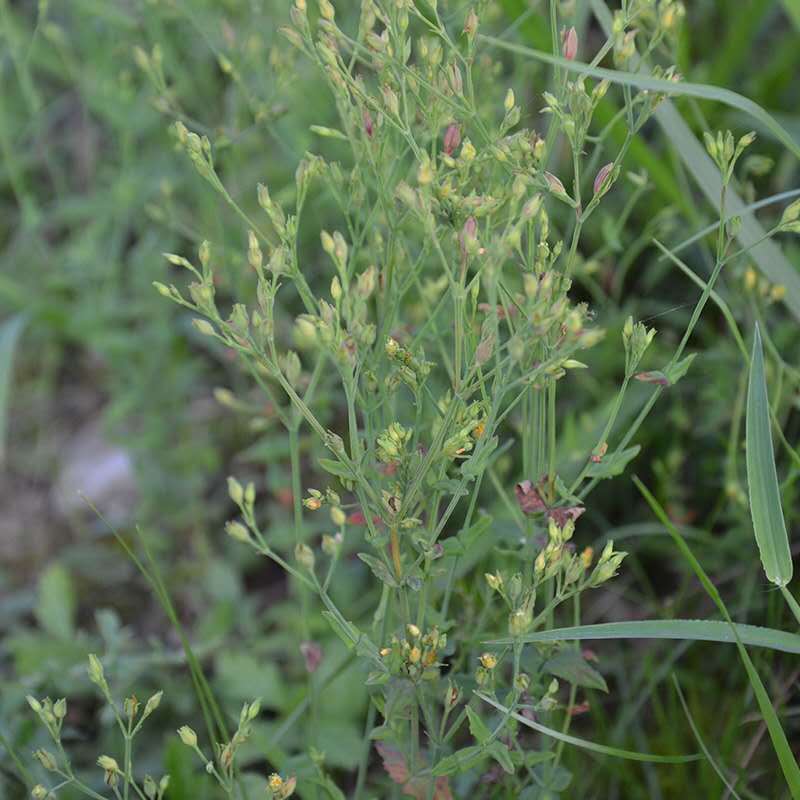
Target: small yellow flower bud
point(203, 326)
point(237, 531)
point(508, 103)
point(305, 556)
point(187, 736)
point(414, 655)
point(778, 292)
point(495, 581)
point(413, 631)
point(468, 151)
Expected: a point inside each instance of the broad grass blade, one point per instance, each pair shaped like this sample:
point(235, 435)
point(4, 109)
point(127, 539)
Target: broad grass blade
point(10, 331)
point(697, 630)
point(762, 478)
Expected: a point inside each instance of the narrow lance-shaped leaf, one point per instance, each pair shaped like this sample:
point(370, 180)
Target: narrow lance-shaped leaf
point(762, 478)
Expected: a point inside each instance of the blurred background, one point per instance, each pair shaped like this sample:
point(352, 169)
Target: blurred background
point(107, 391)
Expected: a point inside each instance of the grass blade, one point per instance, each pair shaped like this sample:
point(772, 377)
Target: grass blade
point(10, 332)
point(585, 744)
point(783, 751)
point(762, 478)
point(697, 630)
point(640, 81)
point(696, 732)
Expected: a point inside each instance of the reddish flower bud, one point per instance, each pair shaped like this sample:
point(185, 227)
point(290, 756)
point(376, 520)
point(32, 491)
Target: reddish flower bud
point(369, 127)
point(469, 236)
point(452, 138)
point(569, 44)
point(554, 183)
point(601, 176)
point(312, 653)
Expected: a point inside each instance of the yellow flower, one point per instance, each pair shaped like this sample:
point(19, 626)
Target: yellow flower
point(488, 661)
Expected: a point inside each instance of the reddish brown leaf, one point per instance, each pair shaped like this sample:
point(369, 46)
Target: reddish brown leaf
point(652, 377)
point(563, 514)
point(394, 763)
point(529, 499)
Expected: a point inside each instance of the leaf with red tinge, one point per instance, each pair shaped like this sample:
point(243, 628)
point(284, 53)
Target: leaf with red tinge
point(394, 763)
point(528, 497)
point(652, 377)
point(563, 514)
point(531, 502)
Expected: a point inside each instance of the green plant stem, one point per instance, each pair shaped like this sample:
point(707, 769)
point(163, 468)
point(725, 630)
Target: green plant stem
point(791, 602)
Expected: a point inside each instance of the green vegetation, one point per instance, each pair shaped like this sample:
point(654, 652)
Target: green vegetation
point(402, 395)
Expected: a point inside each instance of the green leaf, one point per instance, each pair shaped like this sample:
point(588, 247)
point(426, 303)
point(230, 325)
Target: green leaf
point(700, 630)
point(501, 754)
point(379, 569)
point(659, 85)
point(10, 332)
point(762, 478)
point(571, 666)
point(613, 463)
point(616, 752)
point(336, 468)
point(461, 544)
point(680, 368)
point(477, 727)
point(241, 677)
point(460, 761)
point(477, 463)
point(55, 609)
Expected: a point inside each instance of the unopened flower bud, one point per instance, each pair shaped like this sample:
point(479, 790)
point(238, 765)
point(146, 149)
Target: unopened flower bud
point(96, 675)
point(452, 138)
point(187, 736)
point(468, 151)
point(495, 581)
point(46, 759)
point(304, 556)
point(601, 177)
point(237, 531)
point(554, 183)
point(235, 491)
point(569, 44)
point(152, 704)
point(60, 708)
